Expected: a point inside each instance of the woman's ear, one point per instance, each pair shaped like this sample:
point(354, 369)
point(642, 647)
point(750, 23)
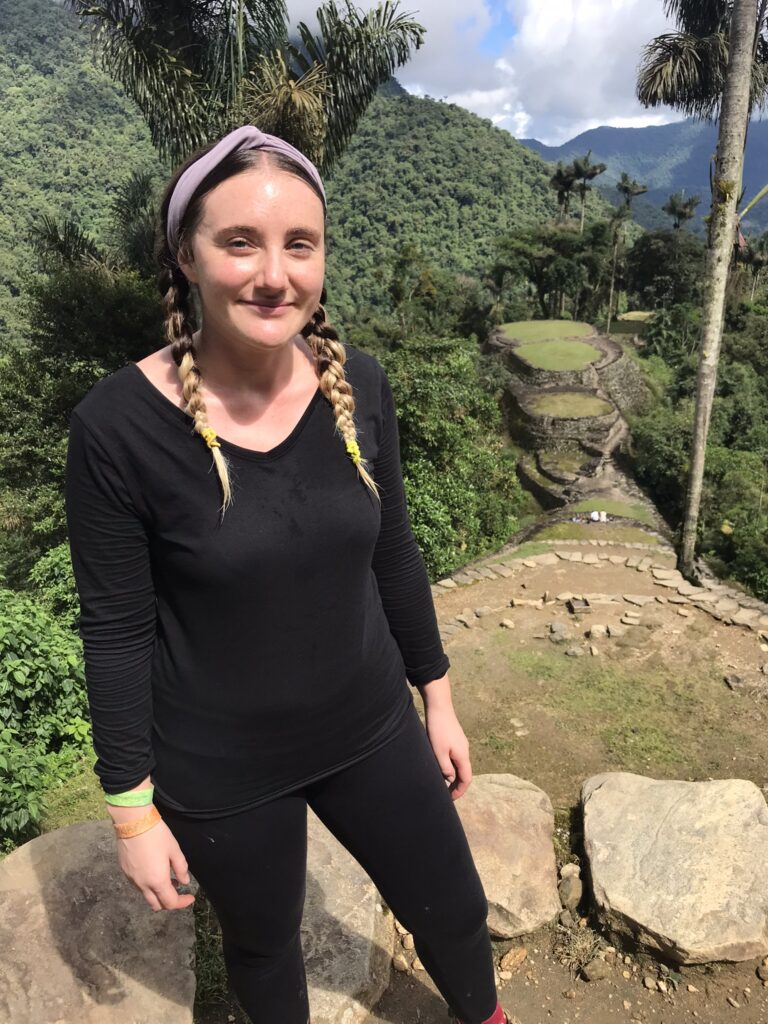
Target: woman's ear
point(186, 262)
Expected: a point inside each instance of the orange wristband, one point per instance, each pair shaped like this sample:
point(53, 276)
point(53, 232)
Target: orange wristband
point(126, 829)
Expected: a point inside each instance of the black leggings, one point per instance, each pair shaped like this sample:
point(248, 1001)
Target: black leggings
point(394, 814)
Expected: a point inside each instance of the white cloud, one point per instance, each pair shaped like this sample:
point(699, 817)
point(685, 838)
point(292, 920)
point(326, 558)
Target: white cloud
point(571, 66)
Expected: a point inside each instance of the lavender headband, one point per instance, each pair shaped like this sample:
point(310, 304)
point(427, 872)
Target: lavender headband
point(246, 137)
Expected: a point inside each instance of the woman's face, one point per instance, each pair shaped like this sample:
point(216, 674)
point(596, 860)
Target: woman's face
point(258, 258)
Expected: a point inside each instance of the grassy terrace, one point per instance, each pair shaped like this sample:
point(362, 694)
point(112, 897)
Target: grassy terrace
point(545, 330)
point(568, 405)
point(598, 531)
point(628, 510)
point(558, 355)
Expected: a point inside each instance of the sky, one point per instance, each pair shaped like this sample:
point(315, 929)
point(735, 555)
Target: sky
point(543, 69)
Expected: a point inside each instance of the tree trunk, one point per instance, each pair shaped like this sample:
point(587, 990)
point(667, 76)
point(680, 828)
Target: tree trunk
point(734, 115)
point(613, 282)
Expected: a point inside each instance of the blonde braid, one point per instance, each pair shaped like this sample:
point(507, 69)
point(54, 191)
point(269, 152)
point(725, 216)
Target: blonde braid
point(178, 331)
point(330, 356)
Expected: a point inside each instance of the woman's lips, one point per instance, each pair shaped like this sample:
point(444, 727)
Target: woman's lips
point(268, 309)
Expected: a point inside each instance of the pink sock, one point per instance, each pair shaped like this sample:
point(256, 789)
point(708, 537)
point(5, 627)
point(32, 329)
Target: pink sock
point(497, 1017)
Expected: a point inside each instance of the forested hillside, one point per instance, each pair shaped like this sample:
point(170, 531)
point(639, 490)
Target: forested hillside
point(668, 158)
point(67, 136)
point(433, 175)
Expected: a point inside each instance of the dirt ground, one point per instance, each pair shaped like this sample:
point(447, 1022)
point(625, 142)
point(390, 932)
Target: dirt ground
point(653, 701)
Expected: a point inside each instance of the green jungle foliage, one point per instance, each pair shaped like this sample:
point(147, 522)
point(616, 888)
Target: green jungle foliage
point(68, 134)
point(733, 526)
point(432, 175)
point(460, 482)
point(43, 710)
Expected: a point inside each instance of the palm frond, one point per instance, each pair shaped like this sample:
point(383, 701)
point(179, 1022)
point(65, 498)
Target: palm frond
point(279, 103)
point(684, 71)
point(700, 17)
point(63, 241)
point(171, 96)
point(237, 33)
point(360, 52)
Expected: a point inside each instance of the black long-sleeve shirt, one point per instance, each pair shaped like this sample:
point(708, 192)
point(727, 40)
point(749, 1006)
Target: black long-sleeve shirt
point(236, 660)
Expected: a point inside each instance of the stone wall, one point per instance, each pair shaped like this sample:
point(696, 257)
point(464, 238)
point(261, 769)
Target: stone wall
point(553, 432)
point(544, 491)
point(622, 380)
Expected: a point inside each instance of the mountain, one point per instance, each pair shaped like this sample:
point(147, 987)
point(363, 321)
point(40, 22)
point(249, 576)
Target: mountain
point(668, 158)
point(422, 172)
point(68, 135)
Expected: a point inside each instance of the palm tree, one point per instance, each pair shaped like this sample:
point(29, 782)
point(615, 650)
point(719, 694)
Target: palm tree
point(618, 222)
point(629, 188)
point(680, 209)
point(734, 117)
point(686, 69)
point(585, 171)
point(195, 68)
point(563, 181)
point(132, 217)
point(755, 258)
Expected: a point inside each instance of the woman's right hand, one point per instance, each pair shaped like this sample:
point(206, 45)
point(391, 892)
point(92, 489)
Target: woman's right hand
point(147, 859)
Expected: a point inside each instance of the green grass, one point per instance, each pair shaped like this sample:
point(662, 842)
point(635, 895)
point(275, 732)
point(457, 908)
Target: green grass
point(558, 355)
point(568, 405)
point(542, 330)
point(598, 531)
point(639, 716)
point(628, 510)
point(526, 550)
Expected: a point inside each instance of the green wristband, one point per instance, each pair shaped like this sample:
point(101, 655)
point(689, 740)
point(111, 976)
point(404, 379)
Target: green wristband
point(133, 798)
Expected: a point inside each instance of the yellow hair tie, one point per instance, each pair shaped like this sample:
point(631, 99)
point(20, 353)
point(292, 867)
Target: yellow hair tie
point(354, 451)
point(209, 436)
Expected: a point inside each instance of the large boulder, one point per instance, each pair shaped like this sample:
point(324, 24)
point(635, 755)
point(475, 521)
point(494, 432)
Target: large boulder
point(509, 824)
point(679, 867)
point(79, 943)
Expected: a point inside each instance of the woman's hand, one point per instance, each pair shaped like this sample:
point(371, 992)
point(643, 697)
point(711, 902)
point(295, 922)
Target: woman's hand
point(147, 859)
point(450, 745)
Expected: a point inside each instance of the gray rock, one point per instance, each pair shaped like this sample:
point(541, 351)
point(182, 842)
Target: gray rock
point(489, 574)
point(679, 866)
point(639, 599)
point(596, 969)
point(467, 620)
point(614, 630)
point(81, 945)
point(547, 558)
point(448, 584)
point(348, 943)
point(575, 652)
point(509, 824)
point(483, 610)
point(597, 631)
point(500, 570)
point(570, 891)
point(566, 919)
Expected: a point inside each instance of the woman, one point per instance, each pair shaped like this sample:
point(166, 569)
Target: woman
point(248, 661)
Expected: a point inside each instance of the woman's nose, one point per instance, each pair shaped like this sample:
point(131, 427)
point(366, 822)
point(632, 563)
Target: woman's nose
point(271, 269)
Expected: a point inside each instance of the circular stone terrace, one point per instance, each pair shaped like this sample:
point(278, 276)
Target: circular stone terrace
point(555, 352)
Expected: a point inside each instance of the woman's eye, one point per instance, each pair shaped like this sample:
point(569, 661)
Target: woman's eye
point(236, 241)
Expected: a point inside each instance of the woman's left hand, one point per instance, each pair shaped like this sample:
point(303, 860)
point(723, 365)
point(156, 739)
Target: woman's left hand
point(450, 746)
